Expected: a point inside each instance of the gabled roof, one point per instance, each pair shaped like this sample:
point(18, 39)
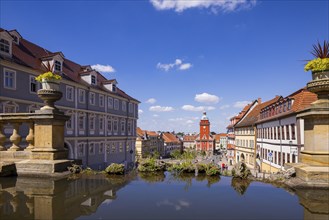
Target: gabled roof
point(239, 116)
point(30, 55)
point(251, 117)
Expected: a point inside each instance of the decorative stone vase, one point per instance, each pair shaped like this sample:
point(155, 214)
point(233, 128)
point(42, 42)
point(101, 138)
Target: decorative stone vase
point(50, 84)
point(49, 97)
point(316, 75)
point(320, 84)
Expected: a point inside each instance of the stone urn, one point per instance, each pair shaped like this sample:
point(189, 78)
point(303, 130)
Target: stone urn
point(320, 86)
point(49, 84)
point(49, 97)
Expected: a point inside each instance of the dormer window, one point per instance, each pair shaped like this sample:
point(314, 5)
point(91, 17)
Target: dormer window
point(93, 80)
point(4, 46)
point(57, 66)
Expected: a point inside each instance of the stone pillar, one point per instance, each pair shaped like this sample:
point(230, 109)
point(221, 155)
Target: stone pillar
point(49, 157)
point(49, 136)
point(314, 166)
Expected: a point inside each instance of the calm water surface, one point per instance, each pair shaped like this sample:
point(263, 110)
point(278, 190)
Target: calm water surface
point(162, 196)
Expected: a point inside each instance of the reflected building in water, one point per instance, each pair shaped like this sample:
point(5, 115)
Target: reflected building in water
point(30, 198)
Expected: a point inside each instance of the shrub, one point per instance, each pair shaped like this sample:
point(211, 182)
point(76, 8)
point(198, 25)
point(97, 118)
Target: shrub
point(185, 167)
point(175, 154)
point(150, 165)
point(201, 167)
point(115, 168)
point(75, 168)
point(212, 170)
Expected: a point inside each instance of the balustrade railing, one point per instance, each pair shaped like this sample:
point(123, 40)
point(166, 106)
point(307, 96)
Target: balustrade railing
point(16, 121)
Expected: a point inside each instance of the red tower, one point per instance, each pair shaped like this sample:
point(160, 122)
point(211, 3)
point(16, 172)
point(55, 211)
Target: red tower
point(205, 141)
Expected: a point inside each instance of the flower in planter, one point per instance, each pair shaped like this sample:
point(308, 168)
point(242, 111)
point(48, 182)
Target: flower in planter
point(321, 61)
point(48, 76)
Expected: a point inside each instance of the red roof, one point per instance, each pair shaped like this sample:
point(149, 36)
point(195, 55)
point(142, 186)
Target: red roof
point(30, 55)
point(230, 147)
point(188, 138)
point(252, 116)
point(302, 99)
point(169, 137)
point(218, 136)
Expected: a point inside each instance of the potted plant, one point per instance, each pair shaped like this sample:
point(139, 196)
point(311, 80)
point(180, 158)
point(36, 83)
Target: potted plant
point(48, 79)
point(320, 74)
point(320, 65)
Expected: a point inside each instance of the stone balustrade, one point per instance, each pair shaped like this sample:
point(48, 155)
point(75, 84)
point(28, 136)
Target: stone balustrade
point(44, 152)
point(15, 121)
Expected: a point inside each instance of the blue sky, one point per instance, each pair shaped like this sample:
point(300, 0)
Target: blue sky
point(188, 56)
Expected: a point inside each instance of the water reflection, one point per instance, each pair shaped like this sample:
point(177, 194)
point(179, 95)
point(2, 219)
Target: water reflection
point(35, 198)
point(152, 177)
point(169, 196)
point(315, 203)
point(240, 185)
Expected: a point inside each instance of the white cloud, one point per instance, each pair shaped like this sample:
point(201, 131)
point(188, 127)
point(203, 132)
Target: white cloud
point(197, 108)
point(214, 5)
point(158, 108)
point(178, 64)
point(240, 104)
point(155, 115)
point(224, 107)
point(151, 101)
point(185, 66)
point(140, 111)
point(206, 98)
point(189, 122)
point(103, 68)
point(176, 119)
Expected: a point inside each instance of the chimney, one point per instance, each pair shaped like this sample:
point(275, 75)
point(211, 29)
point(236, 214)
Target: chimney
point(259, 100)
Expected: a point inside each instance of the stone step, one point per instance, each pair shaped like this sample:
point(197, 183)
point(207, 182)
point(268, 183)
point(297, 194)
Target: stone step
point(42, 167)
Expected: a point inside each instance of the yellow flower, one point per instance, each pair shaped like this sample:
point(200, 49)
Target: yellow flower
point(48, 76)
point(317, 65)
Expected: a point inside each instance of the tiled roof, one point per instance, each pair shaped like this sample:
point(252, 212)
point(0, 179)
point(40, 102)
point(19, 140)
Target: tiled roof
point(140, 132)
point(239, 116)
point(302, 99)
point(253, 115)
point(30, 55)
point(169, 137)
point(189, 137)
point(218, 136)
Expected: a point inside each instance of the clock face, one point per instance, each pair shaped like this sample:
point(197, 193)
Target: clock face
point(204, 127)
